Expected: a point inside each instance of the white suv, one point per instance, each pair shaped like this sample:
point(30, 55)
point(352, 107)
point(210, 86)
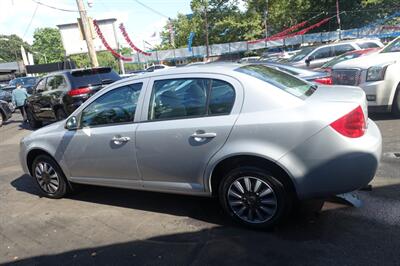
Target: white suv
point(316, 56)
point(377, 74)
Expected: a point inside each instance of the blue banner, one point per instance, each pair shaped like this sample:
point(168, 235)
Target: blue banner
point(190, 41)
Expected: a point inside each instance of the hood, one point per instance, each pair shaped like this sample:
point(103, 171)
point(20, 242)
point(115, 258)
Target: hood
point(365, 62)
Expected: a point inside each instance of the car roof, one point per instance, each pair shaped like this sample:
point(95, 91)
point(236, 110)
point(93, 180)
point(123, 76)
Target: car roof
point(210, 68)
point(65, 71)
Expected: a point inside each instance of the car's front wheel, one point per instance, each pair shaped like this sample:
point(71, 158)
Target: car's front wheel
point(49, 177)
point(254, 197)
point(396, 103)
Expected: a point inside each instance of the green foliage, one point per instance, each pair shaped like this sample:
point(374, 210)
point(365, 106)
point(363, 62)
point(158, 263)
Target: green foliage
point(10, 48)
point(227, 23)
point(47, 45)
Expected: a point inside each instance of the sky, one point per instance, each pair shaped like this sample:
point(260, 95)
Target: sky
point(22, 17)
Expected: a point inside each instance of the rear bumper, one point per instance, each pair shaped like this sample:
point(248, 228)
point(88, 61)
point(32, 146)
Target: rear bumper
point(329, 164)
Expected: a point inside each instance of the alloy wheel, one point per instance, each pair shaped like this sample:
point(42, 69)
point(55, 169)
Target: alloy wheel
point(47, 177)
point(252, 199)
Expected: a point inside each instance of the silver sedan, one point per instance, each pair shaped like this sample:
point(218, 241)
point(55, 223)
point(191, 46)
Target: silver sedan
point(256, 137)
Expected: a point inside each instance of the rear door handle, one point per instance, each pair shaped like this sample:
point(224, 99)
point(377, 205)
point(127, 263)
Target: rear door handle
point(202, 136)
point(119, 140)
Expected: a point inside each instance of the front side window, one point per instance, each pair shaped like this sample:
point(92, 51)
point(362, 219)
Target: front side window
point(324, 52)
point(115, 107)
point(279, 79)
point(41, 86)
point(185, 98)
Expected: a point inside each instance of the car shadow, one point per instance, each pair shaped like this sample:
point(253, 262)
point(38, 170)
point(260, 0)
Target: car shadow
point(198, 208)
point(340, 237)
point(381, 116)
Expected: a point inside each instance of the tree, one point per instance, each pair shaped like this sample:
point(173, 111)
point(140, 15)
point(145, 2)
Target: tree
point(47, 45)
point(10, 48)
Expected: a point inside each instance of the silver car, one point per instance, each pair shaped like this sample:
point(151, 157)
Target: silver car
point(258, 138)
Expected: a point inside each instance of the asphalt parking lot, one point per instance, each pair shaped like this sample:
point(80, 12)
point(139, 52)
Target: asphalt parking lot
point(116, 226)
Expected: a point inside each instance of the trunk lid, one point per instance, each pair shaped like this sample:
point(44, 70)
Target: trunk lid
point(343, 99)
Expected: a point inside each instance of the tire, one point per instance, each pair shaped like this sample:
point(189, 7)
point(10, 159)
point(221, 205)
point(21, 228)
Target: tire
point(33, 123)
point(12, 107)
point(396, 103)
point(60, 114)
point(49, 177)
point(267, 210)
point(1, 119)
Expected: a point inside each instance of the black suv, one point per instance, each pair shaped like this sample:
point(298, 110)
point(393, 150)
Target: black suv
point(5, 112)
point(58, 94)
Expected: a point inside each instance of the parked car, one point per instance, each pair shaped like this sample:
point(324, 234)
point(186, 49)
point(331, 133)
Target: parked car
point(320, 77)
point(27, 82)
point(7, 97)
point(316, 56)
point(377, 74)
point(157, 67)
point(249, 59)
point(347, 56)
point(255, 136)
point(58, 94)
point(5, 112)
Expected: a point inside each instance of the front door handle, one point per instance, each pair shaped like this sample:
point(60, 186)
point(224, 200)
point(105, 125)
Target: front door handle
point(119, 140)
point(202, 136)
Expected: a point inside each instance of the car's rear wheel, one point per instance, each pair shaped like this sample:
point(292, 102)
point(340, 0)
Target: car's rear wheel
point(254, 197)
point(49, 177)
point(396, 103)
point(33, 123)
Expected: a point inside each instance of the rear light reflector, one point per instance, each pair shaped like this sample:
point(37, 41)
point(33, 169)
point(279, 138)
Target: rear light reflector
point(325, 80)
point(79, 91)
point(351, 125)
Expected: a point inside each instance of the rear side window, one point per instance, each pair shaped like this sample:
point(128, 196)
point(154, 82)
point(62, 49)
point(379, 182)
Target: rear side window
point(279, 79)
point(93, 77)
point(366, 45)
point(341, 49)
point(57, 83)
point(222, 98)
point(185, 98)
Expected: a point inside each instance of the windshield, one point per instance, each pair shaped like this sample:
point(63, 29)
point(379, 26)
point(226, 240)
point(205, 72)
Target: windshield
point(280, 79)
point(392, 47)
point(23, 81)
point(300, 55)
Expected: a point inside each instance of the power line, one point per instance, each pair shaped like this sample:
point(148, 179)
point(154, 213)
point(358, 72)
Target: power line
point(53, 7)
point(151, 9)
point(30, 22)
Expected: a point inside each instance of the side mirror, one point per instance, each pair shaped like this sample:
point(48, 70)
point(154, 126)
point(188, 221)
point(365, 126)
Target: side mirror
point(72, 123)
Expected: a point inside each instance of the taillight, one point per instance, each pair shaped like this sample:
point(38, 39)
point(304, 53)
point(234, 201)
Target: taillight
point(325, 80)
point(79, 91)
point(351, 125)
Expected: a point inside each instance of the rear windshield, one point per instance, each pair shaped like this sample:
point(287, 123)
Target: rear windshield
point(99, 76)
point(280, 79)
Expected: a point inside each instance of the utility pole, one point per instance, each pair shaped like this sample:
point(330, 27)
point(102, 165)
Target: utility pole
point(206, 22)
point(266, 20)
point(87, 34)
